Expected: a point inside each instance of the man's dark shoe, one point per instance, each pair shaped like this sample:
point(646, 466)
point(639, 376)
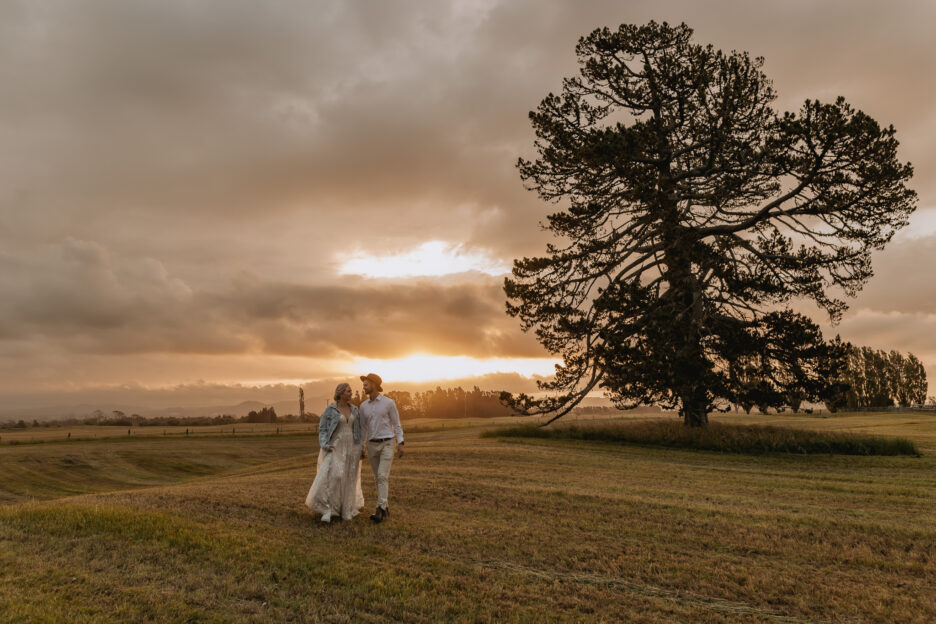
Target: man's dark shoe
point(386, 512)
point(378, 515)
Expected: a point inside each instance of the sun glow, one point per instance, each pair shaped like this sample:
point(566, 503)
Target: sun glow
point(431, 259)
point(422, 367)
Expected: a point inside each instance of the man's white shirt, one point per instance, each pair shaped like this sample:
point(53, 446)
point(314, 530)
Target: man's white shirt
point(381, 419)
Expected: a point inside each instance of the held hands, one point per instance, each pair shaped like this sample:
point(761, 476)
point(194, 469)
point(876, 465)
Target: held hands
point(331, 447)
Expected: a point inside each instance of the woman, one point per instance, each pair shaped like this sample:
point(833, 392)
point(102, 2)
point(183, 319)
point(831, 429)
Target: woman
point(336, 491)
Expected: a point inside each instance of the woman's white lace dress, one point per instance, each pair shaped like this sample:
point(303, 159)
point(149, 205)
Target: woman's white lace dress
point(337, 484)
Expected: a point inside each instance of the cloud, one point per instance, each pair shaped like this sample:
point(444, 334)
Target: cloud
point(903, 278)
point(78, 296)
point(169, 128)
point(178, 181)
point(433, 258)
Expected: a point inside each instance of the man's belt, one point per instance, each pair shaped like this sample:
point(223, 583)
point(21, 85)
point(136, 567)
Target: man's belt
point(380, 439)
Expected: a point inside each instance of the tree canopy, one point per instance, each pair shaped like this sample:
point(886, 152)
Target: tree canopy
point(692, 214)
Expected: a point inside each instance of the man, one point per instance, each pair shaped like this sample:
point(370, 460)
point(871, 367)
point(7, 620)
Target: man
point(381, 424)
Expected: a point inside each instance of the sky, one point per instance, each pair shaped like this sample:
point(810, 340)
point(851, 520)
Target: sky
point(200, 198)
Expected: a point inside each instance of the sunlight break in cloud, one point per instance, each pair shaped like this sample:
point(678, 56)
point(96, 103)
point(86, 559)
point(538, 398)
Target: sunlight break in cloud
point(433, 258)
point(422, 367)
point(922, 224)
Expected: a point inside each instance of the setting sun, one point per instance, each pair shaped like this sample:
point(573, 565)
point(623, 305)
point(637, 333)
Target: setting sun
point(422, 367)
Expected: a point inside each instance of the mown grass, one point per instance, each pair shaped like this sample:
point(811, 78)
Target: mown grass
point(725, 438)
point(492, 530)
point(52, 470)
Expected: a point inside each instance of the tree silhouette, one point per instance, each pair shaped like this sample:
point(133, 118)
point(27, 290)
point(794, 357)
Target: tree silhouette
point(914, 391)
point(265, 415)
point(871, 378)
point(693, 214)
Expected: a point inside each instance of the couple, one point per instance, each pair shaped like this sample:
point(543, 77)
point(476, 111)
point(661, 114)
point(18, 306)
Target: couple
point(343, 430)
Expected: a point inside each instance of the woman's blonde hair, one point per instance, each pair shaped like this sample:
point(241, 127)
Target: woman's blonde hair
point(341, 388)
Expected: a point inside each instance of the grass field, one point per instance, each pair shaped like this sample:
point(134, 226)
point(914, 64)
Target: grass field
point(212, 529)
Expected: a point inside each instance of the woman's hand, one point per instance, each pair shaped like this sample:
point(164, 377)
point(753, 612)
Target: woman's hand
point(331, 447)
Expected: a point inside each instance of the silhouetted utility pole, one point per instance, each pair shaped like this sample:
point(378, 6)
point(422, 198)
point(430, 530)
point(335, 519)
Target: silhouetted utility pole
point(301, 404)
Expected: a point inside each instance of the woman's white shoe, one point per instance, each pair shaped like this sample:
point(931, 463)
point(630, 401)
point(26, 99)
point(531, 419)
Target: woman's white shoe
point(326, 517)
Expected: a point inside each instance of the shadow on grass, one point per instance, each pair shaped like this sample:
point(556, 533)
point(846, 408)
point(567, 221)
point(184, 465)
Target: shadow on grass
point(725, 438)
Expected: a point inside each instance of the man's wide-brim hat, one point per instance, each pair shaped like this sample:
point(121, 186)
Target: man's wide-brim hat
point(374, 379)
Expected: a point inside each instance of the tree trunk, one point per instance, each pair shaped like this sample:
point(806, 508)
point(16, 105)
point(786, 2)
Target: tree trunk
point(689, 365)
point(695, 416)
point(685, 294)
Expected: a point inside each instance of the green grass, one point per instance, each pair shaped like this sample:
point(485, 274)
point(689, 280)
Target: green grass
point(483, 530)
point(725, 438)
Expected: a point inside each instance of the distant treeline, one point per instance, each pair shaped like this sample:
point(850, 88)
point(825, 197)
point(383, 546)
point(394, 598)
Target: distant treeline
point(873, 378)
point(118, 418)
point(446, 403)
point(438, 403)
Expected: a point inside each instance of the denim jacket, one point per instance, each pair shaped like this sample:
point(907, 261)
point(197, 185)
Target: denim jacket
point(329, 422)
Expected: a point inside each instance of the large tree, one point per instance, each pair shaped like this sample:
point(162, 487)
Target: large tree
point(691, 214)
